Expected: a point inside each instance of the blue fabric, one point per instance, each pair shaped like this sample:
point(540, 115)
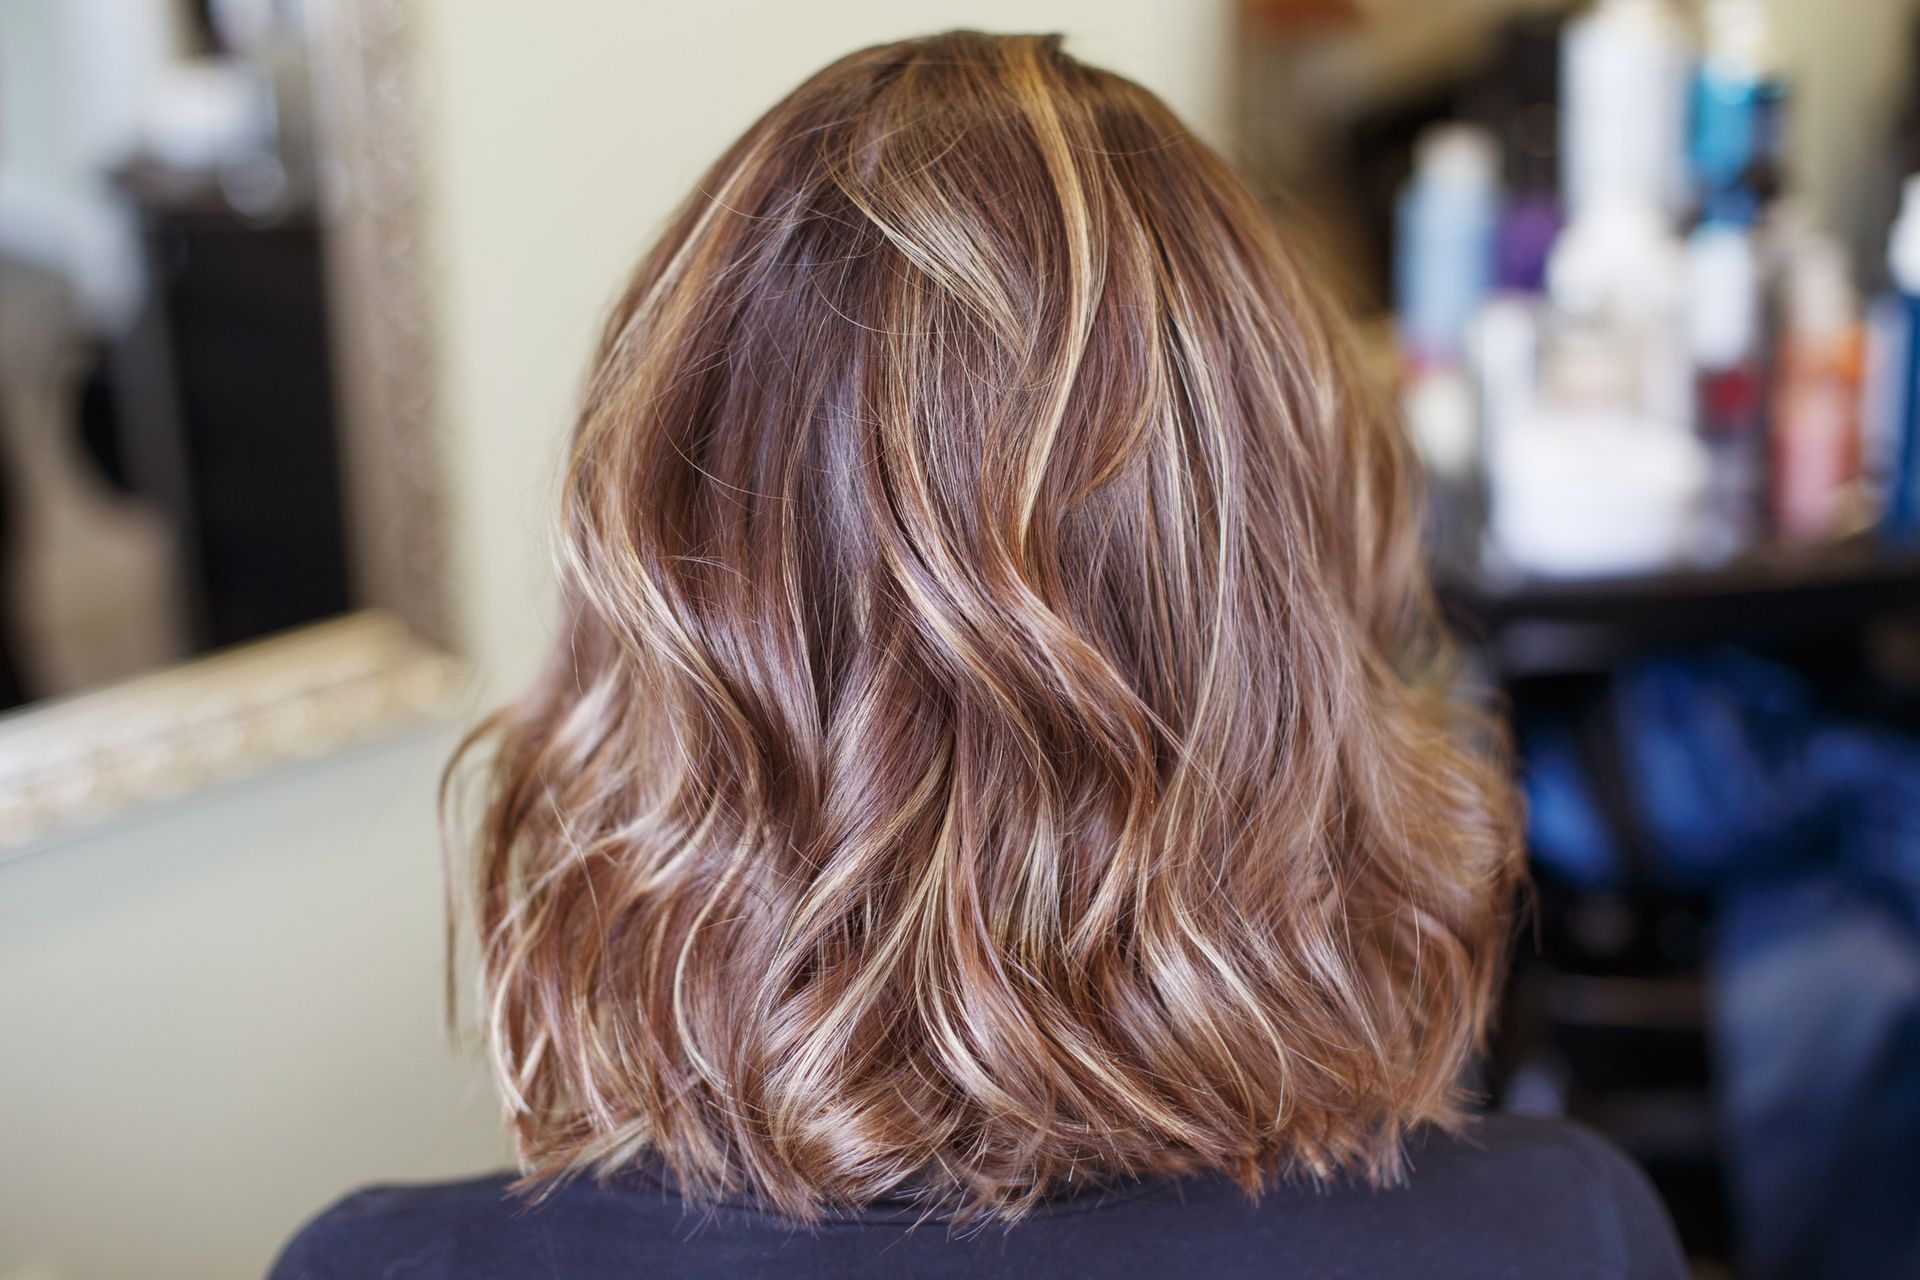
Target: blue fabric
point(1817, 1024)
point(1737, 776)
point(1805, 830)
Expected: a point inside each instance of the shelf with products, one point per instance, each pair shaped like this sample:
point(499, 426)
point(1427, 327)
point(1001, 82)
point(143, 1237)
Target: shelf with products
point(1529, 626)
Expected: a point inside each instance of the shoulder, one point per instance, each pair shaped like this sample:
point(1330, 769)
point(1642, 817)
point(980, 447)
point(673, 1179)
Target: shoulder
point(417, 1230)
point(482, 1229)
point(1502, 1145)
point(1499, 1139)
point(1504, 1196)
point(1541, 1182)
point(1508, 1195)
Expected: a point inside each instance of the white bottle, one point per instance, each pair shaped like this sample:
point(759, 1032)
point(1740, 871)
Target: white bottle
point(1597, 472)
point(1623, 108)
point(1617, 328)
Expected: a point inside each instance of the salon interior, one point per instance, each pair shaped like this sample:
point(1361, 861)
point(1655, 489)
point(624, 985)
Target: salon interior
point(295, 302)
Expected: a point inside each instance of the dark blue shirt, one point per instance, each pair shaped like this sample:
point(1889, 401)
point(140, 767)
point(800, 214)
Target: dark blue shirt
point(1515, 1197)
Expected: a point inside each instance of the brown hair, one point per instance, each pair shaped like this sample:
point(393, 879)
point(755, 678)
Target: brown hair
point(997, 733)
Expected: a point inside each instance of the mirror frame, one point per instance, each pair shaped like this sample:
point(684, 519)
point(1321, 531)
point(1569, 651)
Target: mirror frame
point(71, 763)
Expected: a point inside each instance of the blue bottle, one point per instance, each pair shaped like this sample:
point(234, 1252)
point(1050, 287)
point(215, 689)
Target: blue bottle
point(1892, 412)
point(1443, 264)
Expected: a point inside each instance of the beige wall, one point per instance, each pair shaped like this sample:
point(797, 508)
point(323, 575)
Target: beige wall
point(1850, 63)
point(217, 1017)
point(213, 1020)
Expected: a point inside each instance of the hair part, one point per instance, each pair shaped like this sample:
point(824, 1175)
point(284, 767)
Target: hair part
point(999, 733)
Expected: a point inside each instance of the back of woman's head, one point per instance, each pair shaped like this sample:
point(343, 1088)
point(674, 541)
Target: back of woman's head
point(995, 736)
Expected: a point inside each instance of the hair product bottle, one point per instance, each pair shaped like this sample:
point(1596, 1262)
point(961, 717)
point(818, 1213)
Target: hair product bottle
point(1816, 423)
point(1443, 270)
point(1623, 115)
point(1724, 336)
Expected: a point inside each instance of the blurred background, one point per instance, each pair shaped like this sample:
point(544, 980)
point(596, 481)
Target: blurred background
point(296, 296)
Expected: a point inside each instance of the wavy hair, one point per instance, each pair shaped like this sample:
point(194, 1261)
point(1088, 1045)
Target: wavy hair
point(998, 733)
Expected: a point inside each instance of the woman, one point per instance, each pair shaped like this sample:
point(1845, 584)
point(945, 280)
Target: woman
point(996, 807)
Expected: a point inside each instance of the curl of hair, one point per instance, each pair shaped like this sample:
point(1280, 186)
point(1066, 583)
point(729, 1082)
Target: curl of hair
point(999, 732)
